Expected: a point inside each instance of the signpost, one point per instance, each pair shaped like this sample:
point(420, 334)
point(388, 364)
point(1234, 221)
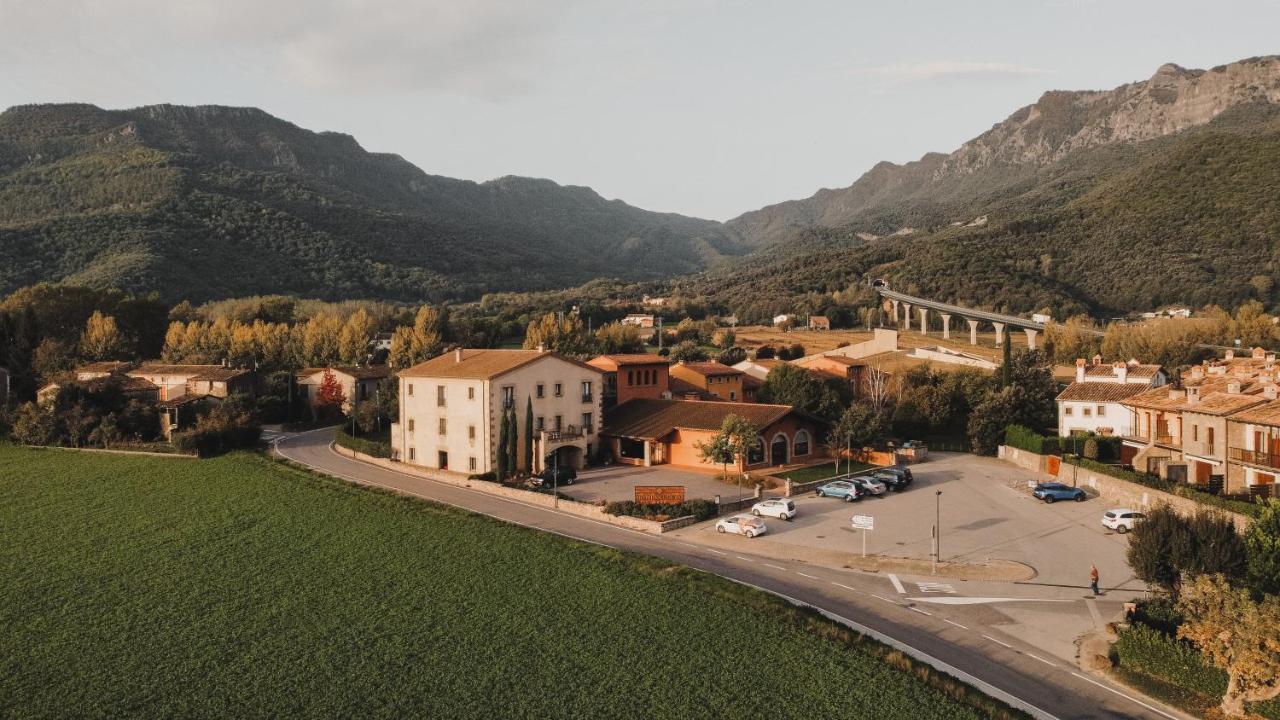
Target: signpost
point(659, 494)
point(864, 523)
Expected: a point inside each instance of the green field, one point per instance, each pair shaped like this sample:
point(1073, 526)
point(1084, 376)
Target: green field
point(243, 587)
point(822, 472)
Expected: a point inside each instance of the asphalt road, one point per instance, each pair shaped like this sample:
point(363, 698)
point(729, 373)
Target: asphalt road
point(1019, 673)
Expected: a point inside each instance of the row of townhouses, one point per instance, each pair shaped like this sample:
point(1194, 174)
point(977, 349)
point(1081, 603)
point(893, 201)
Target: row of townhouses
point(1217, 426)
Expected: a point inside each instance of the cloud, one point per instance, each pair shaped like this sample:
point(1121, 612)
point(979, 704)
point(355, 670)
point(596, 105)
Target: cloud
point(484, 48)
point(945, 69)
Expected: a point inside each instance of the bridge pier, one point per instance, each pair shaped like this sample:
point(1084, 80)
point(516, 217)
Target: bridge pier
point(906, 317)
point(946, 326)
point(894, 303)
point(973, 331)
point(1031, 338)
point(999, 333)
point(924, 321)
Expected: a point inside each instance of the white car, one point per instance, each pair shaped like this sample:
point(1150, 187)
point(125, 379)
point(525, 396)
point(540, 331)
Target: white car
point(742, 525)
point(779, 508)
point(870, 484)
point(1121, 520)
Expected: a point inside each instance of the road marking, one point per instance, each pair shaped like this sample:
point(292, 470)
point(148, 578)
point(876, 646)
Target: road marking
point(935, 587)
point(811, 577)
point(953, 622)
point(744, 558)
point(775, 567)
point(1041, 659)
point(978, 600)
point(715, 551)
point(884, 598)
point(1093, 612)
point(688, 544)
point(922, 612)
point(998, 642)
point(897, 584)
point(846, 587)
point(1127, 697)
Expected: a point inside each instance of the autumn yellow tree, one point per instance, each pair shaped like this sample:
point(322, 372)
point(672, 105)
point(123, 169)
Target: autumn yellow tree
point(1237, 634)
point(101, 339)
point(562, 334)
point(320, 338)
point(353, 341)
point(412, 345)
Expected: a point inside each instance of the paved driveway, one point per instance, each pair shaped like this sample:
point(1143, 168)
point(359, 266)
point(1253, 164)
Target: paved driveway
point(618, 483)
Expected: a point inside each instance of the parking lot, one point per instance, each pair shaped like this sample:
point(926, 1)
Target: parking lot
point(618, 483)
point(982, 518)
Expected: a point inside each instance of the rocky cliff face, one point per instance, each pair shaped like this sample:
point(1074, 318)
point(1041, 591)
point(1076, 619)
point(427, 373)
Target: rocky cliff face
point(1059, 123)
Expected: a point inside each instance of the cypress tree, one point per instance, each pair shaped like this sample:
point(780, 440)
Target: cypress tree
point(513, 441)
point(1006, 369)
point(501, 468)
point(528, 434)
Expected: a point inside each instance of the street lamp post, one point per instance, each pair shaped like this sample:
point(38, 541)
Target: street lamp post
point(937, 529)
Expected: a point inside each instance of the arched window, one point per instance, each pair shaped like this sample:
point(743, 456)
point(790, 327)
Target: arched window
point(778, 449)
point(801, 444)
point(755, 455)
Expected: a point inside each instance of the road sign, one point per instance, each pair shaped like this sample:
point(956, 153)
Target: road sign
point(864, 522)
point(659, 494)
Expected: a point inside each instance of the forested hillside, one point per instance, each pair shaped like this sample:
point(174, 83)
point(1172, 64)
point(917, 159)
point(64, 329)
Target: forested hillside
point(207, 202)
point(1190, 216)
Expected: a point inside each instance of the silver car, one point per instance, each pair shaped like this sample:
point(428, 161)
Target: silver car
point(870, 484)
point(775, 507)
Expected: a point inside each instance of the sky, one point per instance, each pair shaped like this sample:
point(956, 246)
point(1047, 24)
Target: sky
point(701, 107)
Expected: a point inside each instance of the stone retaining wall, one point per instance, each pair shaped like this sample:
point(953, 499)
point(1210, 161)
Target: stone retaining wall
point(593, 512)
point(1113, 490)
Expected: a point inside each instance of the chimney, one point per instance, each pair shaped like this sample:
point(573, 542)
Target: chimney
point(1231, 355)
point(1271, 360)
point(541, 348)
point(1097, 359)
point(1197, 372)
point(1121, 372)
point(1177, 394)
point(1233, 387)
point(1259, 353)
point(1080, 370)
point(1269, 392)
point(1193, 395)
point(457, 354)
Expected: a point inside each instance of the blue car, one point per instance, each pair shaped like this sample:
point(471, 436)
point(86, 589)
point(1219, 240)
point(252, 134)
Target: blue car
point(1053, 492)
point(841, 489)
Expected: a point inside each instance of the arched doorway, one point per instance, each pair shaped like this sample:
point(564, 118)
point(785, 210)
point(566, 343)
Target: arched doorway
point(755, 454)
point(566, 456)
point(778, 450)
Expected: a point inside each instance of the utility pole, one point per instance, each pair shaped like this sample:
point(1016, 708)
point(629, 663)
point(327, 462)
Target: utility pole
point(937, 530)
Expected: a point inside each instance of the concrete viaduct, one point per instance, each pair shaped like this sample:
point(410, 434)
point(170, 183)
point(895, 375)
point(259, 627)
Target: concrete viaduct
point(903, 304)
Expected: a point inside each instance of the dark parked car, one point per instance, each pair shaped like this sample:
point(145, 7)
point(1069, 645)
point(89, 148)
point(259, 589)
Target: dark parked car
point(897, 478)
point(556, 475)
point(1053, 492)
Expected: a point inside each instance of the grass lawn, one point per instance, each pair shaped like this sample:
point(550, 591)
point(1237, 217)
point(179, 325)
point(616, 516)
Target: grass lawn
point(242, 587)
point(822, 472)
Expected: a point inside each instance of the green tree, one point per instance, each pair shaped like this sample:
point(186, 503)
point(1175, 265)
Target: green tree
point(859, 426)
point(1159, 547)
point(787, 384)
point(513, 441)
point(528, 434)
point(688, 351)
point(1262, 550)
point(502, 468)
point(730, 444)
point(52, 358)
point(1239, 635)
point(34, 425)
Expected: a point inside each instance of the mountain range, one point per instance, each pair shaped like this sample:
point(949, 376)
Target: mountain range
point(1156, 192)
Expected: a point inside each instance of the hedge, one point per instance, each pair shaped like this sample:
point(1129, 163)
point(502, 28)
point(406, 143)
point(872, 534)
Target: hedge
point(1024, 438)
point(372, 448)
point(1244, 507)
point(1150, 652)
point(206, 442)
point(701, 509)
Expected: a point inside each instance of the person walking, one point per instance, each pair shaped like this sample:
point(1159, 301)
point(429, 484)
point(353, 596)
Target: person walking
point(1093, 578)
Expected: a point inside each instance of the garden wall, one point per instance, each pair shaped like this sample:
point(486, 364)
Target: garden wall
point(1112, 490)
point(573, 507)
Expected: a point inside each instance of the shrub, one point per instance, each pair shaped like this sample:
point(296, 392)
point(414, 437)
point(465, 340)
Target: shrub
point(485, 477)
point(1151, 652)
point(1244, 507)
point(701, 509)
point(1024, 438)
point(1090, 450)
point(226, 427)
point(373, 448)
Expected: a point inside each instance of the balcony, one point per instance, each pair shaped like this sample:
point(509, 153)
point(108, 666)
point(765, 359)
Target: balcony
point(1254, 457)
point(1168, 440)
point(568, 433)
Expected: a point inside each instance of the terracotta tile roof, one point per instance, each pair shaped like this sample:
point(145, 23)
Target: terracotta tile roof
point(104, 366)
point(645, 419)
point(1100, 392)
point(1266, 414)
point(221, 374)
point(685, 388)
point(711, 369)
point(159, 368)
point(634, 359)
point(368, 372)
point(1158, 398)
point(1106, 370)
point(750, 382)
point(484, 364)
point(181, 400)
point(1223, 403)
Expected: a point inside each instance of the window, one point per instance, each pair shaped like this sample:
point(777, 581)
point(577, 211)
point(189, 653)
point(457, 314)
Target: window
point(471, 464)
point(410, 388)
point(801, 443)
point(1195, 433)
point(586, 423)
point(1087, 411)
point(539, 424)
point(364, 391)
point(443, 426)
point(302, 391)
point(410, 424)
point(559, 424)
point(412, 454)
point(471, 393)
point(559, 390)
point(1101, 410)
point(631, 377)
point(508, 397)
point(542, 390)
point(1066, 410)
point(1208, 440)
point(471, 433)
point(439, 396)
point(755, 455)
point(733, 396)
point(586, 391)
